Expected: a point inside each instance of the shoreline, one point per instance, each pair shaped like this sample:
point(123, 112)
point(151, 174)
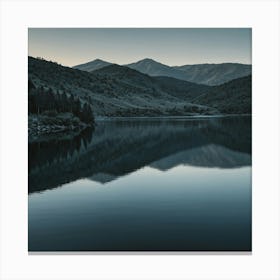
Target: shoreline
point(100, 119)
point(42, 125)
point(36, 132)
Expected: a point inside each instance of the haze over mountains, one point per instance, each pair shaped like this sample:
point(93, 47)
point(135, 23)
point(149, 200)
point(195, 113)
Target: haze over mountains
point(208, 74)
point(116, 90)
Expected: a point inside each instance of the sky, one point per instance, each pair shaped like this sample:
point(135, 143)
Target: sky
point(171, 46)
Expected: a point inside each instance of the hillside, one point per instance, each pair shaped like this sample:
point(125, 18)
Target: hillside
point(175, 88)
point(231, 97)
point(116, 90)
point(207, 74)
point(214, 74)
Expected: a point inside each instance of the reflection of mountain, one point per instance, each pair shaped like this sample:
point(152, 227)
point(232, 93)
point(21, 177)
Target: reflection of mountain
point(206, 156)
point(103, 178)
point(118, 148)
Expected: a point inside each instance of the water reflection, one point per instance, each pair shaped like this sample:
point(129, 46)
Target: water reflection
point(114, 149)
point(143, 186)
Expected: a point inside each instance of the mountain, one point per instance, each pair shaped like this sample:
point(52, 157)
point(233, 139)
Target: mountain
point(214, 74)
point(116, 90)
point(154, 68)
point(92, 65)
point(207, 74)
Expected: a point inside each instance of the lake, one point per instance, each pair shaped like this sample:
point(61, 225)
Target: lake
point(143, 185)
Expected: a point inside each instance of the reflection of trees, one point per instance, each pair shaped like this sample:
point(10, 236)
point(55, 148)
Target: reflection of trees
point(118, 148)
point(55, 150)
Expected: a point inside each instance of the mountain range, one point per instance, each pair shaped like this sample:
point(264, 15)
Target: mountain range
point(208, 74)
point(115, 90)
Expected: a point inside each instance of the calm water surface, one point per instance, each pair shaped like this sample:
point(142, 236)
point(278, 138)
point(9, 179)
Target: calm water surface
point(180, 185)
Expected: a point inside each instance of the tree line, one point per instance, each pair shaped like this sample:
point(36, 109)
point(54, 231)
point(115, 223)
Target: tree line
point(41, 100)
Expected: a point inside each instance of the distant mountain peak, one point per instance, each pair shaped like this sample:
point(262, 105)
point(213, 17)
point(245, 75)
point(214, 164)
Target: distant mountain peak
point(92, 65)
point(147, 60)
point(99, 60)
point(153, 68)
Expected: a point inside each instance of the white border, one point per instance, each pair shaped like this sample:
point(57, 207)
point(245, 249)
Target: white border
point(262, 16)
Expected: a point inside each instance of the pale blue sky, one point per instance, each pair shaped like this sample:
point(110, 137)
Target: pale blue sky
point(171, 46)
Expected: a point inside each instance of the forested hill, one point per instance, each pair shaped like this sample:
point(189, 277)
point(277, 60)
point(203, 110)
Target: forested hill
point(43, 100)
point(120, 91)
point(231, 97)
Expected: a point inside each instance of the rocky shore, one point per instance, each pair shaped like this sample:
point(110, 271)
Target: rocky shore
point(39, 125)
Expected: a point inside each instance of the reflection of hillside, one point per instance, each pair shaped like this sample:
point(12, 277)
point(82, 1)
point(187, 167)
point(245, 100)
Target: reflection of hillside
point(118, 148)
point(206, 156)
